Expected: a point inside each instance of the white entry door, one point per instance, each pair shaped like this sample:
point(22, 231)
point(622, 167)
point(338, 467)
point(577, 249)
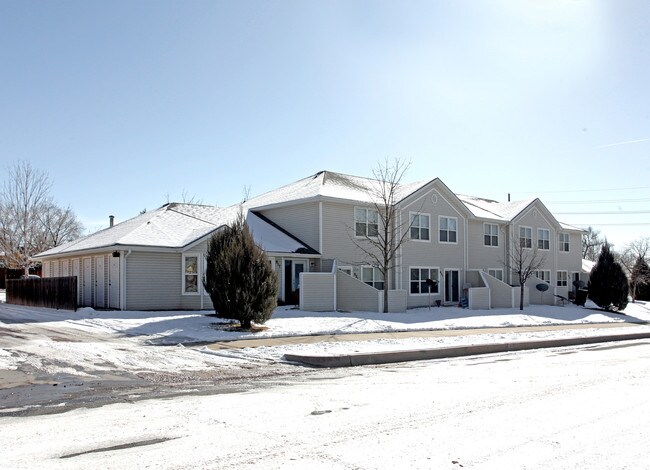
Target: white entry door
point(114, 282)
point(99, 282)
point(86, 283)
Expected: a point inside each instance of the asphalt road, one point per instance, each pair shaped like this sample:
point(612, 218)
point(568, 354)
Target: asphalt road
point(578, 407)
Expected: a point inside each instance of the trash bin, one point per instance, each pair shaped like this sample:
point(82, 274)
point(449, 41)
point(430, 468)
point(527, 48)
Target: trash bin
point(581, 296)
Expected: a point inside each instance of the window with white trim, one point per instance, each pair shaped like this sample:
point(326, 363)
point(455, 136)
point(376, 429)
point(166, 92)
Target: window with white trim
point(543, 239)
point(191, 270)
point(448, 227)
point(564, 241)
point(490, 235)
point(419, 226)
point(418, 280)
point(373, 277)
point(526, 237)
point(366, 222)
point(562, 279)
point(544, 276)
point(498, 273)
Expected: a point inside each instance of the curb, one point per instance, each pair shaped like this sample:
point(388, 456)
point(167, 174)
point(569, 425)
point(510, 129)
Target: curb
point(364, 359)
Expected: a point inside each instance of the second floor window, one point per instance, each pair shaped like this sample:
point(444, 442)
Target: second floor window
point(448, 229)
point(564, 242)
point(366, 222)
point(491, 235)
point(526, 237)
point(543, 239)
point(419, 227)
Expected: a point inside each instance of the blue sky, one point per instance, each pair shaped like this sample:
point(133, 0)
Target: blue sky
point(128, 103)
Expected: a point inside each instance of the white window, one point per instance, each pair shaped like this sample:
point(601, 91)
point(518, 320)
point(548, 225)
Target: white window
point(498, 273)
point(448, 229)
point(418, 281)
point(419, 226)
point(543, 238)
point(366, 222)
point(562, 279)
point(526, 237)
point(372, 277)
point(564, 242)
point(544, 276)
point(191, 273)
point(491, 235)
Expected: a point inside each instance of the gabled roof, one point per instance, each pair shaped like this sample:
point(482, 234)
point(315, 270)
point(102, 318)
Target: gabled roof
point(504, 211)
point(490, 209)
point(328, 185)
point(175, 226)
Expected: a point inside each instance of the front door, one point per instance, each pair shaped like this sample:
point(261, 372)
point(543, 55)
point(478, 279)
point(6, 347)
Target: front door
point(114, 282)
point(452, 286)
point(291, 278)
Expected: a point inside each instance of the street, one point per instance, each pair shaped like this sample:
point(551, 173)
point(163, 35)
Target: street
point(580, 407)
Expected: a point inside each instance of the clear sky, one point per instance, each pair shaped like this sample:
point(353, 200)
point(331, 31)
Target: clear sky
point(127, 104)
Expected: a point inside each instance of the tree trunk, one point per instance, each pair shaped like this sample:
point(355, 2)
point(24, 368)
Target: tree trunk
point(245, 324)
point(385, 295)
point(521, 296)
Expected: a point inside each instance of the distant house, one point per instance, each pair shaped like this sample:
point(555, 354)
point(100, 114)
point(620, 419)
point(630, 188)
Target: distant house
point(311, 230)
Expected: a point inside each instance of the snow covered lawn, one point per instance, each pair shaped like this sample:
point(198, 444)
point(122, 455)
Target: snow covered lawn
point(124, 340)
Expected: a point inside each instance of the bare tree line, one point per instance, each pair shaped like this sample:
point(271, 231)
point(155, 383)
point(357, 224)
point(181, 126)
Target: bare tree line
point(30, 220)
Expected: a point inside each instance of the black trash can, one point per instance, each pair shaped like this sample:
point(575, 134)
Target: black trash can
point(581, 296)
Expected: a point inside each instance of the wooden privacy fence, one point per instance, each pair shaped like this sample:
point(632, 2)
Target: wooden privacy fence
point(52, 292)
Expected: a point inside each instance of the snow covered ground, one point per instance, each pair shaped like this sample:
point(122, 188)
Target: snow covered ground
point(106, 340)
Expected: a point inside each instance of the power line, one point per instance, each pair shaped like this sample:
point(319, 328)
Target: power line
point(602, 201)
point(612, 224)
point(583, 190)
point(603, 213)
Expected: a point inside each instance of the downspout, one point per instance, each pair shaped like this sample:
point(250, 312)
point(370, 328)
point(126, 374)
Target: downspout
point(123, 280)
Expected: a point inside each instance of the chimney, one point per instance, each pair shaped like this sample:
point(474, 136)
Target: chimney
point(508, 201)
point(111, 219)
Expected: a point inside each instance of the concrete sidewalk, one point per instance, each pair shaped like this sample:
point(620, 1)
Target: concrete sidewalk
point(367, 358)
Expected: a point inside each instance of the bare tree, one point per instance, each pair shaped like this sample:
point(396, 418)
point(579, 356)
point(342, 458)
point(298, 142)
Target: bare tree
point(29, 221)
point(523, 260)
point(631, 260)
point(58, 226)
point(381, 242)
point(592, 242)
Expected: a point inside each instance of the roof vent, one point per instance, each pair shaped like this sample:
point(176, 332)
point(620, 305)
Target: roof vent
point(111, 220)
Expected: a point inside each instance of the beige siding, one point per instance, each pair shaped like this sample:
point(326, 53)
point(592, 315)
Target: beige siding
point(432, 253)
point(338, 235)
point(352, 294)
point(153, 281)
point(318, 292)
point(479, 298)
point(535, 219)
point(301, 220)
point(484, 257)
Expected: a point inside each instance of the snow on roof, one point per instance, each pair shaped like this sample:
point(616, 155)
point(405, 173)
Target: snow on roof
point(327, 184)
point(587, 265)
point(488, 208)
point(178, 225)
